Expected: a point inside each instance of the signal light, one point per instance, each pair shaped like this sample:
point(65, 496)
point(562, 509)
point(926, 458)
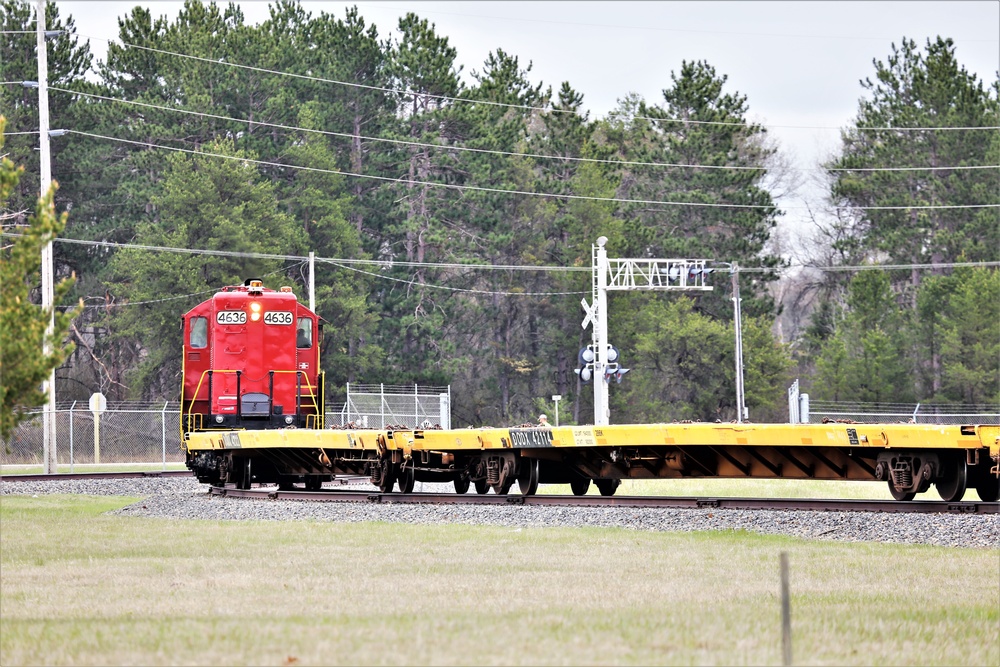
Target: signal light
point(254, 306)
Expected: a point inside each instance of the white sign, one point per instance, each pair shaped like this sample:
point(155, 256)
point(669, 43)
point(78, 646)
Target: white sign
point(98, 403)
point(231, 317)
point(591, 313)
point(278, 317)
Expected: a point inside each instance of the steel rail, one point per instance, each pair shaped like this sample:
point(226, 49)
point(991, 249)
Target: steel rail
point(795, 504)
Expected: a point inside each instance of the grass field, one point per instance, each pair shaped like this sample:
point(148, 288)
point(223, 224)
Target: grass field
point(84, 588)
point(19, 469)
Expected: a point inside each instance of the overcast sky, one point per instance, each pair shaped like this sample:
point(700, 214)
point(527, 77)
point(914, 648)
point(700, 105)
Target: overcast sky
point(799, 63)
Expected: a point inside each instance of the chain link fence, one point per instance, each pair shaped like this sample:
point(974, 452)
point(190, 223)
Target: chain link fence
point(144, 433)
point(123, 434)
point(911, 413)
point(382, 405)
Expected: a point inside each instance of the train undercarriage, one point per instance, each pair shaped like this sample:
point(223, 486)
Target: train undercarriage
point(906, 472)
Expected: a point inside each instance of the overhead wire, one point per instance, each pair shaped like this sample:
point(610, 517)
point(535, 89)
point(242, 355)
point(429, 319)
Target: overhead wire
point(527, 193)
point(385, 263)
point(404, 142)
point(178, 297)
point(508, 105)
point(448, 287)
point(449, 186)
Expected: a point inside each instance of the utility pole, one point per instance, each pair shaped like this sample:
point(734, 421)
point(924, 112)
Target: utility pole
point(48, 277)
point(312, 281)
point(738, 320)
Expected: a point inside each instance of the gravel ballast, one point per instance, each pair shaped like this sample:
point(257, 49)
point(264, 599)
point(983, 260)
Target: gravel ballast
point(186, 498)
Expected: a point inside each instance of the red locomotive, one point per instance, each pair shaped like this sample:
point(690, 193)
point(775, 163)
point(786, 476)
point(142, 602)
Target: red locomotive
point(251, 360)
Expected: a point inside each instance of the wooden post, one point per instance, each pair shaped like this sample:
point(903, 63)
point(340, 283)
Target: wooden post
point(786, 614)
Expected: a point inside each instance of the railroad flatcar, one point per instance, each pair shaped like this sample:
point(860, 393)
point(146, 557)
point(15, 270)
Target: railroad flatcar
point(251, 361)
point(247, 380)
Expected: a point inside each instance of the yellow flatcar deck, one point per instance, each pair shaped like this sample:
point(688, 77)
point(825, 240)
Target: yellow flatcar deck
point(910, 457)
point(847, 436)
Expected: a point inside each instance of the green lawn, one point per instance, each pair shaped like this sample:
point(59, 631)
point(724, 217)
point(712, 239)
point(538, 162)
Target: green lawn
point(84, 588)
point(90, 467)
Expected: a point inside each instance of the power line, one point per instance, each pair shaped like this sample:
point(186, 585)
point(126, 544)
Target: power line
point(369, 262)
point(489, 267)
point(417, 144)
point(402, 142)
point(526, 193)
point(450, 186)
point(523, 107)
point(452, 289)
point(179, 296)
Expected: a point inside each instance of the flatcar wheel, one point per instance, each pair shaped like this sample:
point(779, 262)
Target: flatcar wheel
point(901, 495)
point(314, 482)
point(286, 483)
point(527, 478)
point(388, 476)
point(462, 485)
point(951, 486)
point(607, 487)
point(988, 486)
point(503, 488)
point(242, 473)
point(406, 479)
point(580, 486)
point(482, 487)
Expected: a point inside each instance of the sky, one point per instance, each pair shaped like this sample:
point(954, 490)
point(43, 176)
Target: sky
point(798, 63)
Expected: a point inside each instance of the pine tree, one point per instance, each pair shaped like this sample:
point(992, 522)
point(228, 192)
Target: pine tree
point(23, 324)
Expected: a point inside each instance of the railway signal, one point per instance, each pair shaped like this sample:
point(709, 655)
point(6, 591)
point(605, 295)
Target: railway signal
point(612, 369)
point(627, 275)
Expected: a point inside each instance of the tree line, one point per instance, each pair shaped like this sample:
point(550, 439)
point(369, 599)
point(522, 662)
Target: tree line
point(473, 203)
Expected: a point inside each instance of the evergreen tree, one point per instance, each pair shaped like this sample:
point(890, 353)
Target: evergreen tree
point(23, 324)
point(930, 89)
point(206, 204)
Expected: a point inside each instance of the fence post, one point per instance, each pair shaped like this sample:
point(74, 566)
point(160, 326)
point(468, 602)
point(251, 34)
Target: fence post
point(381, 402)
point(416, 407)
point(163, 432)
point(786, 612)
point(71, 436)
point(793, 403)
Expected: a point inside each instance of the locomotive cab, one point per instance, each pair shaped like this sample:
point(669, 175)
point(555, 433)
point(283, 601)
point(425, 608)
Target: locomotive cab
point(251, 360)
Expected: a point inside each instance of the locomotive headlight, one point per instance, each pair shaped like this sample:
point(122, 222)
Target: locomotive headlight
point(254, 311)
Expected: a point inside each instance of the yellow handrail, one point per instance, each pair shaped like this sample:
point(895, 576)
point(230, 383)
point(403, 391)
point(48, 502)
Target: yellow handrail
point(312, 391)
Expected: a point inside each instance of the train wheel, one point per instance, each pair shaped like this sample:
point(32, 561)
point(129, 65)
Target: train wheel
point(988, 486)
point(314, 482)
point(580, 486)
point(462, 484)
point(503, 488)
point(388, 476)
point(607, 487)
point(954, 480)
point(286, 482)
point(899, 494)
point(527, 478)
point(482, 487)
point(406, 479)
point(241, 471)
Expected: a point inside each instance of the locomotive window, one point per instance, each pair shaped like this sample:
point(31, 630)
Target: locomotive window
point(304, 333)
point(199, 332)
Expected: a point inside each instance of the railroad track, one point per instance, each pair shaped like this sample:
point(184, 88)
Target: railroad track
point(828, 505)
